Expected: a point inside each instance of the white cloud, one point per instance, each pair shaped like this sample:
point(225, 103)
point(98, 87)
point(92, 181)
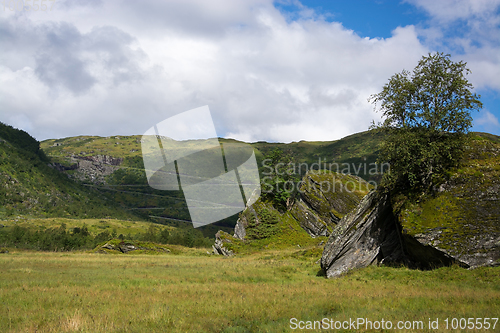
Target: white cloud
point(488, 120)
point(471, 30)
point(451, 10)
point(118, 67)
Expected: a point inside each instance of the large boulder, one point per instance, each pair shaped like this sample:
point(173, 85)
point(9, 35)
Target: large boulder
point(458, 224)
point(332, 195)
point(371, 234)
point(309, 219)
point(368, 235)
point(219, 247)
point(462, 219)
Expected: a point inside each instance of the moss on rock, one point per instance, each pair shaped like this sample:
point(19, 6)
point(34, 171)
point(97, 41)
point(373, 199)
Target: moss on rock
point(463, 217)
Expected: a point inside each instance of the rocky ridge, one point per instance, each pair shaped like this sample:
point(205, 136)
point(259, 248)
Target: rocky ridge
point(324, 198)
point(460, 224)
point(90, 168)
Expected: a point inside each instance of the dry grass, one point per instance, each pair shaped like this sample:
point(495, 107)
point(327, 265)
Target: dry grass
point(95, 226)
point(80, 292)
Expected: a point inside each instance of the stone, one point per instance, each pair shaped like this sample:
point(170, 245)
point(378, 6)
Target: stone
point(127, 247)
point(368, 235)
point(309, 219)
point(219, 248)
point(323, 200)
point(108, 246)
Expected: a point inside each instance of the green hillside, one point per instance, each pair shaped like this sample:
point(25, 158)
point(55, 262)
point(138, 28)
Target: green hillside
point(463, 217)
point(357, 148)
point(42, 208)
point(33, 188)
point(30, 187)
point(127, 185)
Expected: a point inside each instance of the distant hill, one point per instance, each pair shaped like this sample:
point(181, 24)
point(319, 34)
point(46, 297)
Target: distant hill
point(28, 186)
point(357, 148)
point(114, 166)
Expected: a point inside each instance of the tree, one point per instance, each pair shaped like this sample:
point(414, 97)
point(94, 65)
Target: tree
point(427, 114)
point(278, 181)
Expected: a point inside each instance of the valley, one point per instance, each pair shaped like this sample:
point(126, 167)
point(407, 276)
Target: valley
point(86, 245)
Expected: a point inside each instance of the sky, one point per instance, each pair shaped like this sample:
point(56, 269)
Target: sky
point(268, 70)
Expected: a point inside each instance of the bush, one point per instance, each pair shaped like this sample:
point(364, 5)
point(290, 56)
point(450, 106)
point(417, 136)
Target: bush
point(266, 226)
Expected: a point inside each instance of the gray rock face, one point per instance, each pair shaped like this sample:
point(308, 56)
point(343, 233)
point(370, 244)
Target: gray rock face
point(462, 219)
point(219, 248)
point(96, 168)
point(324, 199)
point(368, 235)
point(239, 229)
point(309, 220)
point(242, 223)
point(371, 234)
point(127, 247)
point(91, 168)
point(480, 251)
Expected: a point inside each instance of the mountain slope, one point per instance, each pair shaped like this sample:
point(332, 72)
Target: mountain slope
point(28, 186)
point(463, 218)
point(459, 223)
point(114, 166)
point(324, 197)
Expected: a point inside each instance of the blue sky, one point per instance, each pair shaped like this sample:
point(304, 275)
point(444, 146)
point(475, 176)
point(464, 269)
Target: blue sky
point(378, 18)
point(366, 18)
point(282, 70)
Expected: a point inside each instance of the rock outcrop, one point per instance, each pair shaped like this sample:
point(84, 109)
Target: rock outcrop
point(309, 220)
point(90, 168)
point(324, 198)
point(371, 234)
point(219, 248)
point(117, 247)
point(368, 235)
point(462, 219)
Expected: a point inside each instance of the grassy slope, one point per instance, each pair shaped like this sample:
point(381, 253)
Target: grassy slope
point(289, 233)
point(30, 187)
point(126, 192)
point(192, 292)
point(351, 149)
point(469, 209)
point(94, 226)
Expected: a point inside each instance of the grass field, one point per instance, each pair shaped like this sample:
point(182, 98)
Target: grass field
point(196, 292)
point(94, 226)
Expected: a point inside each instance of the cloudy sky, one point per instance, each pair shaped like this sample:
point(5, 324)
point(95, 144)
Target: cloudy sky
point(268, 70)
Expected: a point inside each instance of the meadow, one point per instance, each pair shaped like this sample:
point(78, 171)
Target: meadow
point(192, 291)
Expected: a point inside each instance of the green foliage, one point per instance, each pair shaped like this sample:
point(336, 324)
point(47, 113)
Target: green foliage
point(52, 239)
point(420, 159)
point(28, 186)
point(278, 181)
point(436, 96)
point(79, 238)
point(19, 138)
point(266, 226)
point(427, 114)
point(128, 176)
